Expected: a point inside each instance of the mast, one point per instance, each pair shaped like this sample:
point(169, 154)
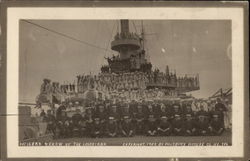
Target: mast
point(142, 35)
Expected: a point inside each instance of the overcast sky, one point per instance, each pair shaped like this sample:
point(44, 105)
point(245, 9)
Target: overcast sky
point(190, 47)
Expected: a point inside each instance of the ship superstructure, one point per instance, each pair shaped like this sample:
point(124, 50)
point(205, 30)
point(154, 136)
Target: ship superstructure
point(129, 75)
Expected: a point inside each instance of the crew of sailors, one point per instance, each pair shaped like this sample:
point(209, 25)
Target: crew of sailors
point(149, 118)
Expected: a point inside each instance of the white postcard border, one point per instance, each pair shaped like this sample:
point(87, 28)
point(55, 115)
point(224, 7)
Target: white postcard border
point(14, 14)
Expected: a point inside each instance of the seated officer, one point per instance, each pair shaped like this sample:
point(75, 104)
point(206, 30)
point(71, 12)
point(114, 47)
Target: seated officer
point(176, 111)
point(100, 113)
point(151, 126)
point(125, 111)
point(177, 125)
point(189, 125)
point(202, 126)
point(127, 128)
point(51, 123)
point(139, 120)
point(76, 123)
point(111, 128)
point(216, 126)
point(113, 112)
point(164, 128)
point(188, 110)
point(164, 111)
point(150, 111)
point(97, 128)
point(88, 118)
point(63, 124)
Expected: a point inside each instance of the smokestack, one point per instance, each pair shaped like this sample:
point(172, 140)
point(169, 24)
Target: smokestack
point(124, 26)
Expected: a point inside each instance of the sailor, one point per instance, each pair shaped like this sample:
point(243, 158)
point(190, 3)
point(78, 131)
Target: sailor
point(60, 109)
point(164, 111)
point(113, 112)
point(42, 114)
point(101, 113)
point(150, 110)
point(189, 125)
point(43, 86)
point(177, 125)
point(127, 128)
point(51, 122)
point(125, 111)
point(216, 126)
point(112, 128)
point(221, 108)
point(76, 123)
point(203, 113)
point(164, 127)
point(202, 125)
point(88, 118)
point(97, 129)
point(151, 126)
point(176, 111)
point(63, 124)
point(139, 118)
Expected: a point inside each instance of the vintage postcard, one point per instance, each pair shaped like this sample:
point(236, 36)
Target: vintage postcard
point(120, 82)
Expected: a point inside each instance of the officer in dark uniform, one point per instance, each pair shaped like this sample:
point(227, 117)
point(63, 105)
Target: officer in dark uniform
point(113, 112)
point(89, 119)
point(125, 111)
point(164, 128)
point(97, 129)
point(164, 112)
point(112, 128)
point(151, 111)
point(188, 110)
point(42, 114)
point(60, 109)
point(220, 108)
point(51, 123)
point(177, 125)
point(140, 120)
point(127, 128)
point(216, 127)
point(76, 123)
point(202, 125)
point(101, 113)
point(63, 124)
point(151, 126)
point(176, 111)
point(189, 125)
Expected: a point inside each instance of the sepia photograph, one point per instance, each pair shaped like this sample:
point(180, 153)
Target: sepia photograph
point(120, 82)
point(125, 82)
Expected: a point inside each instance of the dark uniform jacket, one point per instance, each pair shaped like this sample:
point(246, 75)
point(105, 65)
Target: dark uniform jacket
point(164, 125)
point(97, 128)
point(177, 124)
point(202, 125)
point(116, 115)
point(189, 125)
point(112, 128)
point(76, 118)
point(127, 127)
point(216, 125)
point(151, 126)
point(101, 115)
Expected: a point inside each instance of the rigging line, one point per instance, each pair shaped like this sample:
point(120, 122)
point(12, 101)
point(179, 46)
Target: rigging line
point(110, 38)
point(64, 35)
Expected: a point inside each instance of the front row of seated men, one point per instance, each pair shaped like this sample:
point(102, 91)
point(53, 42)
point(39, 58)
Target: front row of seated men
point(112, 124)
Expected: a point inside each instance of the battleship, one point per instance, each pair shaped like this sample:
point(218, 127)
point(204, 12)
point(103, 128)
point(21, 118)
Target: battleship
point(128, 80)
point(130, 71)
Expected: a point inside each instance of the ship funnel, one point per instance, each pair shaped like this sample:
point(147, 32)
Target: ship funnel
point(124, 26)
